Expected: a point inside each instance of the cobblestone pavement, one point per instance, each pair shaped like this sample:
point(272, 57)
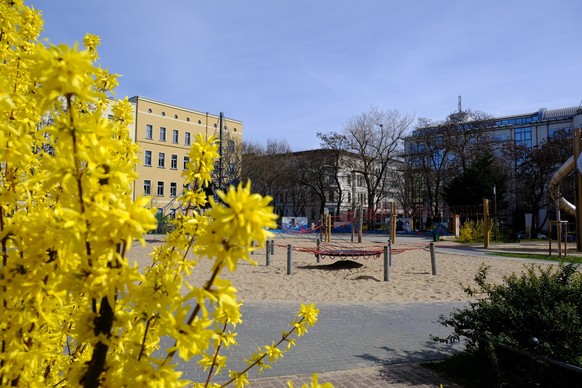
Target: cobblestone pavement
point(352, 345)
point(398, 375)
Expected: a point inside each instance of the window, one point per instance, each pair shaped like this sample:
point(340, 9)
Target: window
point(149, 131)
point(174, 162)
point(523, 137)
point(162, 134)
point(187, 138)
point(175, 136)
point(332, 196)
point(172, 189)
point(161, 159)
point(231, 146)
point(147, 187)
point(148, 158)
point(160, 188)
point(186, 160)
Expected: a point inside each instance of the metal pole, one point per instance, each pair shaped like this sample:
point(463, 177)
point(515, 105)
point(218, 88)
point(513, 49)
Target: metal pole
point(318, 256)
point(289, 259)
point(390, 253)
point(433, 259)
point(220, 154)
point(268, 255)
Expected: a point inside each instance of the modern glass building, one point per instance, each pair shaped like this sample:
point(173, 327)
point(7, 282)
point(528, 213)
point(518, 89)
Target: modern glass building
point(527, 130)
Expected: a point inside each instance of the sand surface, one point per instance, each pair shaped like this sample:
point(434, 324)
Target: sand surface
point(358, 280)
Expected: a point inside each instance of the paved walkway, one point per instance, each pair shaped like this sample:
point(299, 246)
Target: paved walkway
point(352, 345)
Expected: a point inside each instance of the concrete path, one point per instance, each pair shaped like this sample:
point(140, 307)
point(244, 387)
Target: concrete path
point(372, 345)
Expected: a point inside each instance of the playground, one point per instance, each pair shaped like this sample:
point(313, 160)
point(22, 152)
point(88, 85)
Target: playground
point(337, 280)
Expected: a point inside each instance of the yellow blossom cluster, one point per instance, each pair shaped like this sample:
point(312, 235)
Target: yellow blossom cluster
point(73, 310)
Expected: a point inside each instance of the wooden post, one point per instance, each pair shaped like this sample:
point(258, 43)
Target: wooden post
point(386, 264)
point(360, 221)
point(289, 259)
point(485, 223)
point(353, 204)
point(328, 227)
point(433, 260)
point(559, 239)
point(268, 254)
point(318, 256)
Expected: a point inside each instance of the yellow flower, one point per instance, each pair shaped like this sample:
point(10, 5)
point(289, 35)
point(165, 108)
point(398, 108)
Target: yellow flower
point(242, 219)
point(91, 42)
point(63, 71)
point(309, 312)
point(314, 383)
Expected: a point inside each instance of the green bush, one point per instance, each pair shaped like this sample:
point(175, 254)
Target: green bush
point(545, 304)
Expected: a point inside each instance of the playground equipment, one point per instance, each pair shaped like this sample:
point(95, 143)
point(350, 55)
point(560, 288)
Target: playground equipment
point(561, 202)
point(554, 189)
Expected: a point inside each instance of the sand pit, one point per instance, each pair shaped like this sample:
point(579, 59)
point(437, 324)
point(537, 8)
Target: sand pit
point(357, 280)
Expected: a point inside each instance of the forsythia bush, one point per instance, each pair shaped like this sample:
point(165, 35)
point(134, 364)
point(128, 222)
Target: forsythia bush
point(73, 310)
point(472, 231)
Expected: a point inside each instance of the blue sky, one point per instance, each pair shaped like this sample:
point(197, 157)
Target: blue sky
point(289, 69)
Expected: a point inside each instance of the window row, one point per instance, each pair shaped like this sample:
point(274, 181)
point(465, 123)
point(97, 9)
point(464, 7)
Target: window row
point(188, 119)
point(147, 188)
point(162, 160)
point(149, 134)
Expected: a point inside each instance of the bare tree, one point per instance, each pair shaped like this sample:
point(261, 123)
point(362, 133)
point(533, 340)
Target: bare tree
point(467, 136)
point(229, 170)
point(263, 165)
point(535, 167)
point(443, 150)
point(376, 137)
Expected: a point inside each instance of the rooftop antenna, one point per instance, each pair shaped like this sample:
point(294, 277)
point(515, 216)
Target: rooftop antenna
point(460, 109)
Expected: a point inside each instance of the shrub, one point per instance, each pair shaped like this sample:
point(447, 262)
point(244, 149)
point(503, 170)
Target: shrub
point(73, 310)
point(471, 231)
point(539, 305)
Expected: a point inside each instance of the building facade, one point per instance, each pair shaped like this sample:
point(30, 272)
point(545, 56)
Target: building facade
point(526, 130)
point(533, 128)
point(165, 134)
point(315, 182)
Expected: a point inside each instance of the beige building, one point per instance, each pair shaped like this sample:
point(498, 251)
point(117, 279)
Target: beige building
point(165, 133)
